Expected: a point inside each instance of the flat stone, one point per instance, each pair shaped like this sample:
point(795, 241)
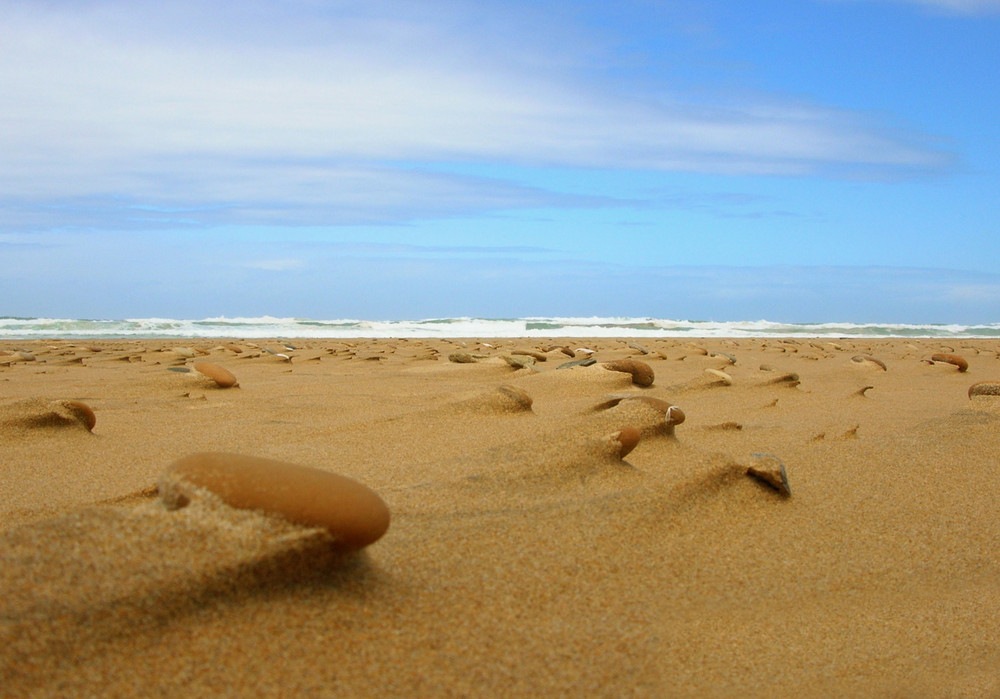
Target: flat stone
point(768, 469)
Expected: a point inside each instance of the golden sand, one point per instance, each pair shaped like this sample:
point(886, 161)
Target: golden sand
point(524, 555)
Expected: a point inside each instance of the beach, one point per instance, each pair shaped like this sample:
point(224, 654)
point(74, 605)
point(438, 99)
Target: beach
point(530, 552)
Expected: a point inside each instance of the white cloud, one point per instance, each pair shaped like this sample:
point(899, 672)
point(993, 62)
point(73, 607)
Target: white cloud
point(284, 265)
point(959, 7)
point(287, 112)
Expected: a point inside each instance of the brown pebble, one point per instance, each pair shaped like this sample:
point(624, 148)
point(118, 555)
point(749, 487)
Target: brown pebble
point(985, 388)
point(81, 411)
point(722, 376)
point(220, 375)
point(642, 373)
point(461, 358)
point(521, 399)
point(953, 359)
point(628, 437)
point(519, 361)
point(867, 359)
point(614, 399)
point(354, 515)
point(538, 356)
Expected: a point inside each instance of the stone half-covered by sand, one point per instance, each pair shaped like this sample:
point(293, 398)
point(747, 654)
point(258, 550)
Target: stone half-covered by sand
point(354, 515)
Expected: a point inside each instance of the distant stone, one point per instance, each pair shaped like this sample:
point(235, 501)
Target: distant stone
point(722, 376)
point(790, 380)
point(578, 362)
point(952, 359)
point(538, 356)
point(519, 361)
point(517, 396)
point(461, 358)
point(869, 360)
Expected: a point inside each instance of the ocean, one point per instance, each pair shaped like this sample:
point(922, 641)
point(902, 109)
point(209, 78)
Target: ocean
point(15, 328)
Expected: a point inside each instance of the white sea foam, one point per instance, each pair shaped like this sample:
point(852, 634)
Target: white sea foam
point(268, 326)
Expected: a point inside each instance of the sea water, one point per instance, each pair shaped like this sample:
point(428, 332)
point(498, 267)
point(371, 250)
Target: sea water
point(270, 327)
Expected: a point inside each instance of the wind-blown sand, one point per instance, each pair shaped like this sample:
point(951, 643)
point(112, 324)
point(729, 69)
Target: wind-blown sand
point(524, 556)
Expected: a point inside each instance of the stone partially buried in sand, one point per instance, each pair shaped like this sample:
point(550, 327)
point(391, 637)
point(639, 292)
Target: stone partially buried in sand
point(354, 515)
point(629, 438)
point(984, 388)
point(220, 375)
point(642, 373)
point(952, 359)
point(768, 469)
point(36, 413)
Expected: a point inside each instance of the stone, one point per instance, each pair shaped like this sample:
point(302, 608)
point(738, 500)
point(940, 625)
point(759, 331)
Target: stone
point(768, 469)
point(220, 375)
point(578, 362)
point(629, 438)
point(642, 373)
point(354, 515)
point(952, 359)
point(984, 388)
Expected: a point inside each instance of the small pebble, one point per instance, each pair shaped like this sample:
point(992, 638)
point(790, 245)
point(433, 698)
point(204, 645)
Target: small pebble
point(578, 362)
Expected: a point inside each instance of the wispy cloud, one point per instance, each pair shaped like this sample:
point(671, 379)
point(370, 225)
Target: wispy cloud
point(955, 7)
point(324, 113)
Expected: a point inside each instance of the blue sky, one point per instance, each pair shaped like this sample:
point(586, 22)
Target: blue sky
point(796, 161)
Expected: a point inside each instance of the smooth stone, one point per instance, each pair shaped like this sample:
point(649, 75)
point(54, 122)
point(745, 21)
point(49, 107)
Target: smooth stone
point(79, 410)
point(790, 379)
point(353, 514)
point(461, 358)
point(722, 376)
point(522, 401)
point(520, 361)
point(185, 352)
point(538, 356)
point(768, 469)
point(578, 362)
point(985, 388)
point(629, 438)
point(673, 417)
point(642, 373)
point(953, 359)
point(220, 375)
point(616, 399)
point(867, 359)
point(722, 355)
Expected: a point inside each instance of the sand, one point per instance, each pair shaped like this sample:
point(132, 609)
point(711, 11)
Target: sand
point(524, 555)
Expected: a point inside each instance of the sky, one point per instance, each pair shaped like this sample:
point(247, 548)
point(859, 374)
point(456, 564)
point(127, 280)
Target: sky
point(787, 160)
